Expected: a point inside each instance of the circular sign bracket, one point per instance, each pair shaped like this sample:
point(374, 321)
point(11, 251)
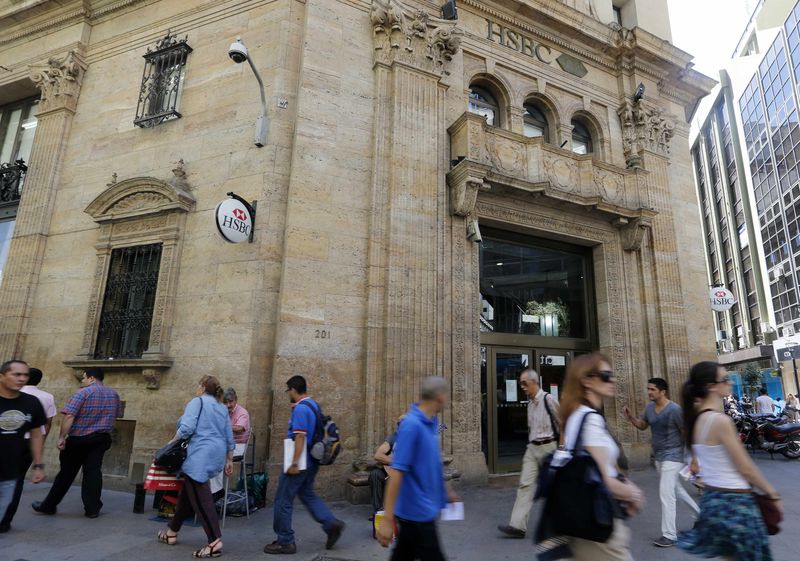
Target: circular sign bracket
point(251, 208)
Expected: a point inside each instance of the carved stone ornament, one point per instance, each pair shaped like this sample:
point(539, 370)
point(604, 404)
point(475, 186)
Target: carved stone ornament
point(464, 194)
point(633, 231)
point(644, 127)
point(59, 81)
point(413, 37)
point(622, 37)
point(562, 173)
point(140, 196)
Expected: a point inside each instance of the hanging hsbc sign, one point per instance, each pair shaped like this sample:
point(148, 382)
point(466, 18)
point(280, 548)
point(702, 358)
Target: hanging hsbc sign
point(722, 299)
point(235, 218)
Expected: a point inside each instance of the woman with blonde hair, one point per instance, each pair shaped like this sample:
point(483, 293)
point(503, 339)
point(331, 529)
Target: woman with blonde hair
point(590, 380)
point(730, 524)
point(207, 425)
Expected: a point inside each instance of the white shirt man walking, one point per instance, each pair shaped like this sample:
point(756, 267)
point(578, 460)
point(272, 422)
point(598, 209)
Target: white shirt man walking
point(665, 419)
point(542, 440)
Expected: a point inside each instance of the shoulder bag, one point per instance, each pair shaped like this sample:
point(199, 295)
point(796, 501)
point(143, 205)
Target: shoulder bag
point(172, 456)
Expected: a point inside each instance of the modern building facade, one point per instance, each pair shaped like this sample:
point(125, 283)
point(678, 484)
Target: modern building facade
point(745, 149)
point(459, 197)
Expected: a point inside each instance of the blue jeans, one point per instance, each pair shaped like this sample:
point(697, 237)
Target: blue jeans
point(7, 493)
point(300, 485)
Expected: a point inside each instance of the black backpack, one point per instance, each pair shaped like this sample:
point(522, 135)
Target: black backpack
point(326, 442)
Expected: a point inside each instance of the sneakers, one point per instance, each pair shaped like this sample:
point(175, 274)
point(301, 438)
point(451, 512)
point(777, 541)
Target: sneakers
point(37, 506)
point(663, 541)
point(334, 533)
point(276, 548)
point(511, 531)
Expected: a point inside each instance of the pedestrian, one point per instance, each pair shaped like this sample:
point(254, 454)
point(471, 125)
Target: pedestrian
point(297, 483)
point(416, 490)
point(240, 424)
point(378, 475)
point(792, 407)
point(83, 439)
point(20, 413)
point(780, 405)
point(588, 381)
point(205, 422)
point(730, 523)
point(764, 404)
point(665, 419)
point(49, 406)
point(542, 440)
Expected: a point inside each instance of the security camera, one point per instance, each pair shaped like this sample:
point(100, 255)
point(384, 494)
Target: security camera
point(238, 52)
point(473, 231)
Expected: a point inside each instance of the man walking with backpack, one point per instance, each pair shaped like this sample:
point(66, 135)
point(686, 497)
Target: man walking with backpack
point(542, 440)
point(303, 426)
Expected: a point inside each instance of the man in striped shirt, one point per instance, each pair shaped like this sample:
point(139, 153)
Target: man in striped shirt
point(85, 435)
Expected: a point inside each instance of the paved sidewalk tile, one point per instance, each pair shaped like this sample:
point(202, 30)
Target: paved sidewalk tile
point(120, 535)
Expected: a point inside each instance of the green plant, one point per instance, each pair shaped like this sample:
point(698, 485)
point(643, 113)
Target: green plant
point(555, 308)
point(751, 378)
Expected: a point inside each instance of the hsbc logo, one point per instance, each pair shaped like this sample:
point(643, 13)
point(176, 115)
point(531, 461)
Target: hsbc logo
point(721, 299)
point(234, 218)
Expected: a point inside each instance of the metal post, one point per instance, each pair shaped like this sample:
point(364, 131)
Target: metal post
point(262, 123)
point(794, 366)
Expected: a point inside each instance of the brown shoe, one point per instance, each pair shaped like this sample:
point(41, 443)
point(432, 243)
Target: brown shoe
point(334, 533)
point(276, 548)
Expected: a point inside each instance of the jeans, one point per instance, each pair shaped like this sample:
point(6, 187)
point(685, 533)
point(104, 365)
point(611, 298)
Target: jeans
point(11, 510)
point(669, 489)
point(534, 454)
point(81, 452)
point(6, 493)
point(300, 485)
point(417, 540)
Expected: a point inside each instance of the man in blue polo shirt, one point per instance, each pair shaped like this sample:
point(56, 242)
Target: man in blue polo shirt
point(416, 491)
point(297, 483)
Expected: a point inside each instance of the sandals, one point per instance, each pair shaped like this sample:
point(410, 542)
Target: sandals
point(164, 537)
point(211, 550)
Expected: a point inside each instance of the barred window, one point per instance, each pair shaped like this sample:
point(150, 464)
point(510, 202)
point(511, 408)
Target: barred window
point(162, 82)
point(124, 330)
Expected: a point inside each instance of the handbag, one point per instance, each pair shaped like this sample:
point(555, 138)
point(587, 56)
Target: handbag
point(173, 454)
point(769, 512)
point(577, 501)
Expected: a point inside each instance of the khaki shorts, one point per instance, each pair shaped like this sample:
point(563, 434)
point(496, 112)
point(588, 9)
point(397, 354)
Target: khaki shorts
point(617, 548)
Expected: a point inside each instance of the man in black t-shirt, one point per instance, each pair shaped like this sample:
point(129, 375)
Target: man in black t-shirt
point(20, 413)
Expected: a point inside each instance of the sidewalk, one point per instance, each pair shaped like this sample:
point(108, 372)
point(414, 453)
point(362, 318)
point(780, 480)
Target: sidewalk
point(120, 535)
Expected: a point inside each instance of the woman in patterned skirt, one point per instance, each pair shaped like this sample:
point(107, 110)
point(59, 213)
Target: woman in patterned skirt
point(730, 524)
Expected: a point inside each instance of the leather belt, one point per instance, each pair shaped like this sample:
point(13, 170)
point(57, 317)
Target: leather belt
point(542, 441)
point(721, 490)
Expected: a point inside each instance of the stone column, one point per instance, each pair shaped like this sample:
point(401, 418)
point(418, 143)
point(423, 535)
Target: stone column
point(59, 81)
point(407, 333)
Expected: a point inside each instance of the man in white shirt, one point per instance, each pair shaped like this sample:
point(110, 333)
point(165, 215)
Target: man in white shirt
point(50, 411)
point(543, 439)
point(764, 404)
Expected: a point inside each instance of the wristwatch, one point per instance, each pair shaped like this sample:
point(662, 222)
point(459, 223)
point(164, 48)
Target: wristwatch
point(295, 465)
point(38, 466)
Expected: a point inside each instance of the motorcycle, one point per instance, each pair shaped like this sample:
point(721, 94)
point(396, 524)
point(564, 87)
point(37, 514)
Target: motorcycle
point(769, 433)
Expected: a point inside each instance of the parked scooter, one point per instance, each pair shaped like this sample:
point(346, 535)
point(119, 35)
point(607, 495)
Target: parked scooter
point(771, 434)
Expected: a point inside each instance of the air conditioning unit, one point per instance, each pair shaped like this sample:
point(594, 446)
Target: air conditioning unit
point(722, 335)
point(788, 331)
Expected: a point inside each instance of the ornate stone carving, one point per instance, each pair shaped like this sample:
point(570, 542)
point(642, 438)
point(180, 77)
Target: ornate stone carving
point(138, 201)
point(610, 186)
point(140, 196)
point(413, 37)
point(621, 37)
point(632, 231)
point(153, 377)
point(562, 173)
point(464, 194)
point(508, 157)
point(59, 81)
point(644, 127)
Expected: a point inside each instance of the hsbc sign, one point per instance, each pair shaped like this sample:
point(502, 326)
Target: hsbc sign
point(234, 218)
point(722, 299)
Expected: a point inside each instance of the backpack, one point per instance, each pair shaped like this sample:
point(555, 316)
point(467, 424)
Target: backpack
point(326, 442)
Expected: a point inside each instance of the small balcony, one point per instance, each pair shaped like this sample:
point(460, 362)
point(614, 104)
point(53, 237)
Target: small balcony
point(497, 159)
point(12, 176)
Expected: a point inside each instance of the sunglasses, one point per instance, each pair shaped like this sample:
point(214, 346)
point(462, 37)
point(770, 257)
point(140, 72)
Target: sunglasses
point(724, 380)
point(604, 375)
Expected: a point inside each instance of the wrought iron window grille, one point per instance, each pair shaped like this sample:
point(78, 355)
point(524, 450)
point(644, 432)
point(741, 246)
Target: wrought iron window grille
point(11, 179)
point(124, 330)
point(162, 81)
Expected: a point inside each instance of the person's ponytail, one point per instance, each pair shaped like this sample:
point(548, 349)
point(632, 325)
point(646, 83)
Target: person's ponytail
point(212, 387)
point(694, 390)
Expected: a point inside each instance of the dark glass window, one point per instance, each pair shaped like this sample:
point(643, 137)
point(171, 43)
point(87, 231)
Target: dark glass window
point(483, 103)
point(581, 138)
point(534, 122)
point(534, 287)
point(128, 303)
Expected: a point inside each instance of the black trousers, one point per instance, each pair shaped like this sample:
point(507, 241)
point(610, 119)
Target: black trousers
point(27, 460)
point(196, 498)
point(377, 484)
point(417, 540)
point(86, 453)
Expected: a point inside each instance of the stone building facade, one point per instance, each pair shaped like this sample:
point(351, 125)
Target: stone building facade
point(397, 141)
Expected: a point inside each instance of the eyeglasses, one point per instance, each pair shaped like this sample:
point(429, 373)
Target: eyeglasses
point(724, 380)
point(604, 375)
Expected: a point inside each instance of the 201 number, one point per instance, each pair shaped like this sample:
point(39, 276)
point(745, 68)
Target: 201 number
point(322, 334)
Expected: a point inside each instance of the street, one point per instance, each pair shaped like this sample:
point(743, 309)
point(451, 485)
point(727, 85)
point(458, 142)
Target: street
point(120, 535)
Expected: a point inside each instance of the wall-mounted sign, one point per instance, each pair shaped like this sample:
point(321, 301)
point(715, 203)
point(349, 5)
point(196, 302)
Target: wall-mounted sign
point(721, 298)
point(528, 46)
point(234, 218)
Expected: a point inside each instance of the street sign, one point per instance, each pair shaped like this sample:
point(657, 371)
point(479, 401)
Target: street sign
point(786, 348)
point(721, 299)
point(234, 220)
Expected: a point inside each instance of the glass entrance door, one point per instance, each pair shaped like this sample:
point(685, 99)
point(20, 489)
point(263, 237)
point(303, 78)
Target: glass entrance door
point(508, 423)
point(552, 367)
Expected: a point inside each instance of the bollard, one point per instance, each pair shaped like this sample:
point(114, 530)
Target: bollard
point(138, 499)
